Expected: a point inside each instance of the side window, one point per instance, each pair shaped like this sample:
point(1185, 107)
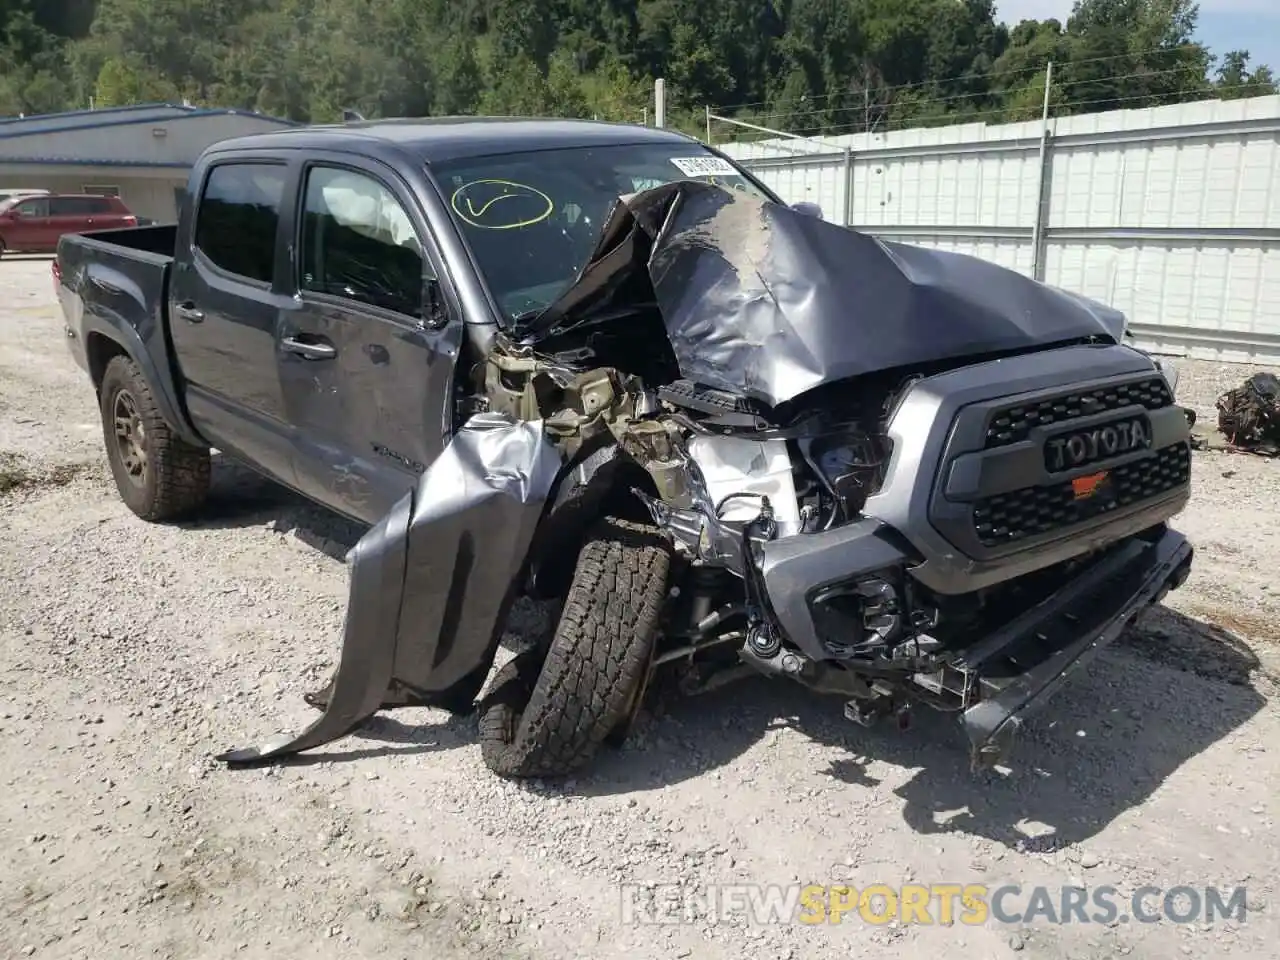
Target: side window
point(237, 218)
point(359, 243)
point(97, 205)
point(34, 208)
point(70, 206)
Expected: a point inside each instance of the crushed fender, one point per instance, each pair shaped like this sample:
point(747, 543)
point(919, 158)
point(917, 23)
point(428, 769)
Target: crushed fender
point(432, 581)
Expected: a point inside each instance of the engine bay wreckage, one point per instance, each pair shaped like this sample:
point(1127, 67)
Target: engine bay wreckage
point(745, 440)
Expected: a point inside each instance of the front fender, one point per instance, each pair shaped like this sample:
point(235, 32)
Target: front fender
point(432, 582)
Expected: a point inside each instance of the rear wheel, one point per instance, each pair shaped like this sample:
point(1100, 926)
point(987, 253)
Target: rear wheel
point(548, 717)
point(159, 475)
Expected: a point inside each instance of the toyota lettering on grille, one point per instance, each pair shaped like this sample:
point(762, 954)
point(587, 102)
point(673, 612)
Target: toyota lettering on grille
point(1083, 447)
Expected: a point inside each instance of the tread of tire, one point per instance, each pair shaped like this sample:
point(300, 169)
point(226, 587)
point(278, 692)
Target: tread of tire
point(182, 471)
point(551, 721)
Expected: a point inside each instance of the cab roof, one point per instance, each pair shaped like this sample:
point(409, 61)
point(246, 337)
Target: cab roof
point(441, 139)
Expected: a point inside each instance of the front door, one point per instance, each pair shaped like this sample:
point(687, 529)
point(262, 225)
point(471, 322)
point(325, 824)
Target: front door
point(224, 307)
point(367, 381)
point(31, 231)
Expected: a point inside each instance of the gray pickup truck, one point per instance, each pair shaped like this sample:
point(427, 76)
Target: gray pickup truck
point(603, 366)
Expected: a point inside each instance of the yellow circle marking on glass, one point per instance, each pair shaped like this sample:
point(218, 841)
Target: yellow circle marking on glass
point(470, 213)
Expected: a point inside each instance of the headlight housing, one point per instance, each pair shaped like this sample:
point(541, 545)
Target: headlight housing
point(850, 464)
point(1170, 372)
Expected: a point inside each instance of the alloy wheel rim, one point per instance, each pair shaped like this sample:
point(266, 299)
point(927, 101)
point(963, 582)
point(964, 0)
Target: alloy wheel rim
point(131, 437)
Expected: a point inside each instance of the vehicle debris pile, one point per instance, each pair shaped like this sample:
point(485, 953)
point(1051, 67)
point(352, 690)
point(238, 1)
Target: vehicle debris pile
point(1249, 415)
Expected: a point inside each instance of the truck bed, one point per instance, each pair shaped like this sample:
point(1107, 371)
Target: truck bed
point(158, 239)
point(114, 284)
point(121, 274)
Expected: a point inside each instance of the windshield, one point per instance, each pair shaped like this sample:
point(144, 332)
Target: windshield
point(532, 219)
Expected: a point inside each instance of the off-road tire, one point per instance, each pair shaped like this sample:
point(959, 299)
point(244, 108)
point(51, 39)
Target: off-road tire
point(547, 717)
point(175, 480)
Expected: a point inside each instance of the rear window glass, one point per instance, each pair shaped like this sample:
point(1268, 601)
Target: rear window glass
point(76, 206)
point(237, 218)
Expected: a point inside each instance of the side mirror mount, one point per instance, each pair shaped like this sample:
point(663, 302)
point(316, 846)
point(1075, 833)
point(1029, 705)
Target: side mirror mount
point(435, 312)
point(808, 209)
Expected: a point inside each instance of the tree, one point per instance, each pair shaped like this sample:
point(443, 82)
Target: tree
point(1234, 79)
point(817, 66)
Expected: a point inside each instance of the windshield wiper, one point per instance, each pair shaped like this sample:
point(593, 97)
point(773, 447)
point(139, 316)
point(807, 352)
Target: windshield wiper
point(528, 316)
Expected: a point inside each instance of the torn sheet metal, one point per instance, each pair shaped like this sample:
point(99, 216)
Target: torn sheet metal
point(768, 302)
point(431, 583)
point(1093, 610)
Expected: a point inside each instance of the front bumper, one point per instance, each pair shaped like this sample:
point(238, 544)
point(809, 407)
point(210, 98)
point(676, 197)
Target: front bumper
point(1017, 669)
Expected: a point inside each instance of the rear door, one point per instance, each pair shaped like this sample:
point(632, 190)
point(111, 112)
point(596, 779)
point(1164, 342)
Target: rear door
point(224, 307)
point(68, 215)
point(367, 381)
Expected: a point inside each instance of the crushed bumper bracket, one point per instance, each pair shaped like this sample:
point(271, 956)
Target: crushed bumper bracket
point(1018, 668)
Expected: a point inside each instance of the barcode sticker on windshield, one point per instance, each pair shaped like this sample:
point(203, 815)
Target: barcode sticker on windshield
point(704, 166)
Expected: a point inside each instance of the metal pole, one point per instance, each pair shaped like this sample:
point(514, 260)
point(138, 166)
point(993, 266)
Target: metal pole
point(1037, 227)
point(777, 133)
point(708, 109)
point(848, 187)
point(659, 103)
point(646, 115)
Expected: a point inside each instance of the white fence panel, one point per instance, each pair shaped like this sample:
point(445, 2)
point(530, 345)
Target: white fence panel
point(817, 181)
point(1171, 214)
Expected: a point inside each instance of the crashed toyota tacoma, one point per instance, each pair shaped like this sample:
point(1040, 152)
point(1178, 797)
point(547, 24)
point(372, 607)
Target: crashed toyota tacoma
point(604, 367)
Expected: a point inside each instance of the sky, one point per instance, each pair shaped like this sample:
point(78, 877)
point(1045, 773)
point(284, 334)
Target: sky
point(1224, 25)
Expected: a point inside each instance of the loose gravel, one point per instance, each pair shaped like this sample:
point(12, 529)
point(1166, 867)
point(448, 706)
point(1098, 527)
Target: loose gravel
point(131, 653)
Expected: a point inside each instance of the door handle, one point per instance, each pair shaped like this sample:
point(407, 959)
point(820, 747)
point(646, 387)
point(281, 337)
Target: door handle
point(188, 312)
point(309, 351)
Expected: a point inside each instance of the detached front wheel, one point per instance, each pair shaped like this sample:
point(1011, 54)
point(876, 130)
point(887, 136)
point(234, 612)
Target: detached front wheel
point(159, 475)
point(548, 717)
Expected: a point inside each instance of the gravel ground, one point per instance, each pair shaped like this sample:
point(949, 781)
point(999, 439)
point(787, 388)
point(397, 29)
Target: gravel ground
point(132, 653)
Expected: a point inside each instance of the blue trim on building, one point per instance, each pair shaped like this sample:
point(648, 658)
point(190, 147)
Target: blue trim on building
point(195, 113)
point(79, 113)
point(72, 162)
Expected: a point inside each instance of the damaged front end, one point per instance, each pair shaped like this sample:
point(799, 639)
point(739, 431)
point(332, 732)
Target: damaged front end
point(894, 475)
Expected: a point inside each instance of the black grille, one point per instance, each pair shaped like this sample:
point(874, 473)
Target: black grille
point(1013, 424)
point(1008, 517)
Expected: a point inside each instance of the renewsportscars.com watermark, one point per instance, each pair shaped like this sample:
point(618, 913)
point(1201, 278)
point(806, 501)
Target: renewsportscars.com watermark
point(938, 903)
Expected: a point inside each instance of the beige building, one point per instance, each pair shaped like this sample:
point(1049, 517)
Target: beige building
point(140, 153)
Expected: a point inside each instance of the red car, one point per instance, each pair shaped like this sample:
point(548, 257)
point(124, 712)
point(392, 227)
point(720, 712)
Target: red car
point(35, 224)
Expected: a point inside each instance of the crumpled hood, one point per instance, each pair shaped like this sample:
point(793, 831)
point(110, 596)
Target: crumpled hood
point(768, 303)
